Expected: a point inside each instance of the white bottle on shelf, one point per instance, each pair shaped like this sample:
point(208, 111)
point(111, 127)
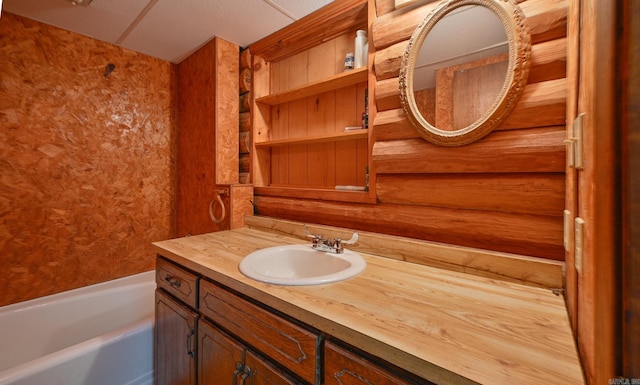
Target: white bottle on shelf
point(360, 55)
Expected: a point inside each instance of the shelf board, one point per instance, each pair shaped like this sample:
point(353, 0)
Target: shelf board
point(335, 137)
point(315, 194)
point(340, 80)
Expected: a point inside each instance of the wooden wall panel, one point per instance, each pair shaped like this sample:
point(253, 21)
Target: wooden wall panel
point(86, 159)
point(196, 169)
point(484, 80)
point(208, 121)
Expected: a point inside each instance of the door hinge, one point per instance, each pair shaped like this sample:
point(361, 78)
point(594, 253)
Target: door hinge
point(579, 244)
point(575, 143)
point(566, 229)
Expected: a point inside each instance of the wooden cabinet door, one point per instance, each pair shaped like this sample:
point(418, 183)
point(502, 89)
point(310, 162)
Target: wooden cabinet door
point(263, 373)
point(220, 358)
point(175, 329)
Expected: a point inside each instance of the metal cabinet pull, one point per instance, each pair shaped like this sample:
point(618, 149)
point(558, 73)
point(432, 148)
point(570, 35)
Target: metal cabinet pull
point(173, 282)
point(247, 374)
point(237, 372)
point(190, 351)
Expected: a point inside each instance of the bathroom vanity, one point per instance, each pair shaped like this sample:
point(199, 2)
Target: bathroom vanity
point(395, 323)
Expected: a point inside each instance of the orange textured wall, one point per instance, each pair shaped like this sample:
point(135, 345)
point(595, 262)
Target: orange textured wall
point(86, 160)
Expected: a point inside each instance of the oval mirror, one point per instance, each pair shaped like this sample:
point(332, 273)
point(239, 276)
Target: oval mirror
point(464, 69)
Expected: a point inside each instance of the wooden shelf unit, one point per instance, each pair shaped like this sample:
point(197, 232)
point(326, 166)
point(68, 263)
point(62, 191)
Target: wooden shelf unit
point(304, 100)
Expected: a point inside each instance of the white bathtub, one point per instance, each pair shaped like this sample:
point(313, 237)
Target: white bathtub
point(95, 335)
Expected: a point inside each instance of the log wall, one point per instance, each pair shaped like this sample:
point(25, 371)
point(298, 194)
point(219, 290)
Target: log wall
point(86, 175)
point(503, 193)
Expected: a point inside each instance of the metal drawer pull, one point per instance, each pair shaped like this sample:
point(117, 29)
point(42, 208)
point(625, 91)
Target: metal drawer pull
point(173, 282)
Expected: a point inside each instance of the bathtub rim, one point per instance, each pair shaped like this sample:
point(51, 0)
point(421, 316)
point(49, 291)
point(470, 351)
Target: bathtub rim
point(138, 278)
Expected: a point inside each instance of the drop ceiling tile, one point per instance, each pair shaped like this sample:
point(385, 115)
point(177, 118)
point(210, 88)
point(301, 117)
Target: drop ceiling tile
point(299, 9)
point(104, 20)
point(172, 30)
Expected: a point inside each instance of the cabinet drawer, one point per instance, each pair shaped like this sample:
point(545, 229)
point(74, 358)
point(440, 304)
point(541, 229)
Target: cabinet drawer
point(344, 367)
point(177, 281)
point(286, 343)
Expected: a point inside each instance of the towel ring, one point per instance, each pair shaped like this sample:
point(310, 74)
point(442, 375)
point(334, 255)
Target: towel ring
point(212, 205)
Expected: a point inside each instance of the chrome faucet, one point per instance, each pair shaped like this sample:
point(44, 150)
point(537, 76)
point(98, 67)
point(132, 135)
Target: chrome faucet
point(318, 242)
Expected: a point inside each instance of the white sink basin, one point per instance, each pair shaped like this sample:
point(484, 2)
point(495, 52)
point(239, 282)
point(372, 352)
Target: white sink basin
point(300, 265)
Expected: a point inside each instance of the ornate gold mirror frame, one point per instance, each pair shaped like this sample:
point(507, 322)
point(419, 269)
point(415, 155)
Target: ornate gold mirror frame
point(519, 51)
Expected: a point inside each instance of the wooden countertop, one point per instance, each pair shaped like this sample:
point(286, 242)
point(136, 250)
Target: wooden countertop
point(448, 327)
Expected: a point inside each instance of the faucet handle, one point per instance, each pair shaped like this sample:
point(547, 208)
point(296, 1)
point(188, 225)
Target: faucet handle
point(311, 235)
point(352, 240)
